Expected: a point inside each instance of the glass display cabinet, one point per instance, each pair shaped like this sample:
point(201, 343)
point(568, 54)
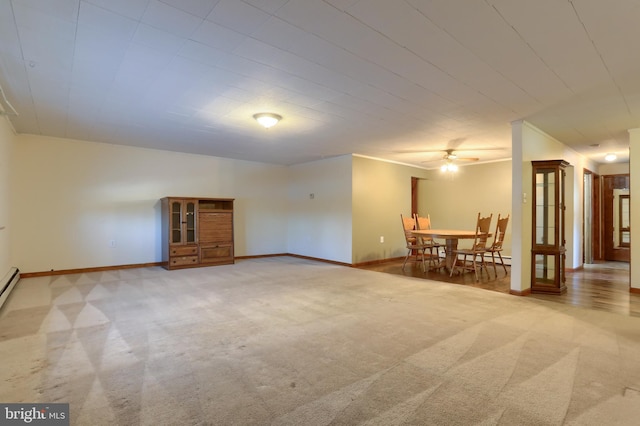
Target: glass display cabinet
point(197, 232)
point(548, 223)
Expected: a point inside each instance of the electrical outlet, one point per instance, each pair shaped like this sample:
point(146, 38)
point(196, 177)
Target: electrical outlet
point(312, 196)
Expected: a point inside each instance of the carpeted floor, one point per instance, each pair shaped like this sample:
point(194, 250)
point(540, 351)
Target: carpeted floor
point(286, 341)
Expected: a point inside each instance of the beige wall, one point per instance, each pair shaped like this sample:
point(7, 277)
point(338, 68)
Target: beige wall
point(529, 144)
point(7, 138)
point(381, 192)
point(453, 201)
point(613, 169)
point(70, 198)
point(319, 226)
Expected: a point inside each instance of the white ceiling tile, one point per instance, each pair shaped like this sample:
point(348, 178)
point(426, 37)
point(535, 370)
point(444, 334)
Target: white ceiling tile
point(170, 19)
point(94, 20)
point(200, 8)
point(133, 9)
point(8, 31)
point(139, 68)
point(347, 75)
point(558, 38)
point(238, 16)
point(279, 33)
point(44, 37)
point(217, 36)
point(269, 6)
point(158, 39)
point(202, 53)
point(59, 9)
point(345, 5)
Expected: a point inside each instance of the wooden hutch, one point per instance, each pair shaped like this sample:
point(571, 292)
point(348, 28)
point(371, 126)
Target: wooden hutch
point(197, 232)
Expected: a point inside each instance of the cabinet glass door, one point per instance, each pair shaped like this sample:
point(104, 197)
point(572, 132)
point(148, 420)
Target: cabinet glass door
point(190, 222)
point(545, 268)
point(176, 222)
point(545, 207)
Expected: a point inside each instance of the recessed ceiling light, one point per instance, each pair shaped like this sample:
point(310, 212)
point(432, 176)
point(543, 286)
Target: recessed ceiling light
point(267, 119)
point(610, 157)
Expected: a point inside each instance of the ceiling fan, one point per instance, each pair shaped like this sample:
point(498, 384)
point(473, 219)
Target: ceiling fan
point(450, 159)
point(450, 155)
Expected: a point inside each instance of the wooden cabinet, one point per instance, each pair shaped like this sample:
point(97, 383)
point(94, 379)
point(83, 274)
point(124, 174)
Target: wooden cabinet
point(197, 232)
point(548, 251)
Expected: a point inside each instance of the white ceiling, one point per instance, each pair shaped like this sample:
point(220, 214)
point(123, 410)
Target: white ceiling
point(381, 78)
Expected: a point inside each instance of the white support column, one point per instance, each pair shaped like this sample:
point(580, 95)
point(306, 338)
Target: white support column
point(520, 275)
point(634, 166)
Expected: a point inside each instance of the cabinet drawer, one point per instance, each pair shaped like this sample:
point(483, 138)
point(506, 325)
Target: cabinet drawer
point(216, 253)
point(183, 251)
point(183, 260)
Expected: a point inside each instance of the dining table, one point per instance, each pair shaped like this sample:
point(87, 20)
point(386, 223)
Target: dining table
point(451, 237)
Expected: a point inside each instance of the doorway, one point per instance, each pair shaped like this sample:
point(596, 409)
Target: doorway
point(615, 232)
point(592, 246)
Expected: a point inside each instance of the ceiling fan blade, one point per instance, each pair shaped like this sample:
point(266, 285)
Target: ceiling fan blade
point(466, 159)
point(428, 151)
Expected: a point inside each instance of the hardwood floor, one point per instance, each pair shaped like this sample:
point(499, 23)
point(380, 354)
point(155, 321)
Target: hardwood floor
point(602, 286)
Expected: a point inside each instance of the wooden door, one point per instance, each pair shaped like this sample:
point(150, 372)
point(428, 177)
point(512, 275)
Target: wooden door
point(612, 188)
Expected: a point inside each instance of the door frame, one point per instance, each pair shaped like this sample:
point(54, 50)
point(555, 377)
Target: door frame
point(609, 183)
point(591, 207)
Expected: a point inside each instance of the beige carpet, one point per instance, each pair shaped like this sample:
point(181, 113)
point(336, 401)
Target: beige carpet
point(286, 341)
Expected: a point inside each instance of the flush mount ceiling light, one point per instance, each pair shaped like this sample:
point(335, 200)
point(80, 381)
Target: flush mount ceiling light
point(610, 157)
point(267, 119)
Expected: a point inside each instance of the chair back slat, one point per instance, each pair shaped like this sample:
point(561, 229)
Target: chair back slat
point(483, 228)
point(501, 229)
point(408, 225)
point(424, 222)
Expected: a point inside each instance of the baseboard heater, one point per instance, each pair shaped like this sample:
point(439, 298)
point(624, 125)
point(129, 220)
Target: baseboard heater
point(8, 283)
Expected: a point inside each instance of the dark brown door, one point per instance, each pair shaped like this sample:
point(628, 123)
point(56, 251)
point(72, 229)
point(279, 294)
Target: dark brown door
point(616, 244)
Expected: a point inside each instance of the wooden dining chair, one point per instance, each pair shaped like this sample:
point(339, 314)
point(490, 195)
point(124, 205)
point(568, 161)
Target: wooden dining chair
point(477, 251)
point(424, 222)
point(498, 240)
point(413, 244)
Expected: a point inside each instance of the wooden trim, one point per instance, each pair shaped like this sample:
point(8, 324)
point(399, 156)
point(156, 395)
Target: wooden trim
point(333, 262)
point(414, 196)
point(609, 183)
point(634, 290)
point(259, 256)
point(376, 262)
point(526, 292)
point(85, 270)
point(152, 264)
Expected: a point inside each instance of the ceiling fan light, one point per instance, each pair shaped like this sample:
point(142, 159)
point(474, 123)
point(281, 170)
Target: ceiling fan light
point(449, 167)
point(267, 119)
